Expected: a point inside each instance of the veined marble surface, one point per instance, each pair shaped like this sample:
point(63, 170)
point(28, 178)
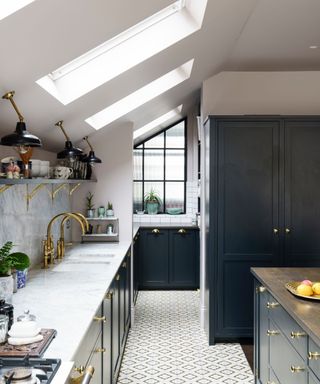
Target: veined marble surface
point(66, 296)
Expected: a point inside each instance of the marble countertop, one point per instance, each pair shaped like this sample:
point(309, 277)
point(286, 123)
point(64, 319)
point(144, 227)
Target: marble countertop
point(66, 296)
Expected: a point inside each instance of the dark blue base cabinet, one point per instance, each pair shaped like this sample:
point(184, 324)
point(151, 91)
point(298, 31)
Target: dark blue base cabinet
point(168, 258)
point(284, 352)
point(262, 209)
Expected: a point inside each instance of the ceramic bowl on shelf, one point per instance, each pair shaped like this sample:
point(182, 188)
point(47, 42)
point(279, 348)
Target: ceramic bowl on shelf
point(174, 211)
point(140, 212)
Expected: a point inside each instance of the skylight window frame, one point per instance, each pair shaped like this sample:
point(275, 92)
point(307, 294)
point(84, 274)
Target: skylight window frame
point(9, 7)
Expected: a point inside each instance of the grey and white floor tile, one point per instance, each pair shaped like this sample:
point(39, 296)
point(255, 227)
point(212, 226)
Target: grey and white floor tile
point(167, 346)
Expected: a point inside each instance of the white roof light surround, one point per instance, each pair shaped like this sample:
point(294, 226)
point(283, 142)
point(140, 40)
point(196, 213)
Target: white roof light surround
point(157, 122)
point(124, 51)
point(7, 7)
point(141, 96)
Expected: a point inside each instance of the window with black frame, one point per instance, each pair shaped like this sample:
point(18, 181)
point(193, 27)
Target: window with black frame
point(160, 166)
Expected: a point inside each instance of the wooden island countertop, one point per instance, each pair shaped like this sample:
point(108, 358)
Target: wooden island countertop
point(304, 311)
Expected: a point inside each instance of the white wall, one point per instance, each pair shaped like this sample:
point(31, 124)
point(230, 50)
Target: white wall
point(283, 93)
point(114, 175)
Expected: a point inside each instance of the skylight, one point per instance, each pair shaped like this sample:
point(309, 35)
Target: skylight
point(157, 122)
point(124, 51)
point(7, 7)
point(141, 96)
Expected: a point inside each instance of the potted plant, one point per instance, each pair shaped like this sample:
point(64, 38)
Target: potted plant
point(152, 201)
point(109, 211)
point(90, 205)
point(9, 263)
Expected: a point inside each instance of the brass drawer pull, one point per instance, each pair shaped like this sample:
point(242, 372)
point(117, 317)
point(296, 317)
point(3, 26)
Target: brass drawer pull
point(100, 350)
point(295, 335)
point(156, 231)
point(79, 369)
point(272, 333)
point(182, 231)
point(261, 289)
point(297, 369)
point(313, 355)
point(273, 304)
point(102, 318)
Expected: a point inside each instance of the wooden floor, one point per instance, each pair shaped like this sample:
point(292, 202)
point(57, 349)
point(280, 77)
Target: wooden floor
point(247, 347)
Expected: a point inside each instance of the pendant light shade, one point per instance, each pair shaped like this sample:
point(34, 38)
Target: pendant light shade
point(91, 158)
point(20, 137)
point(69, 152)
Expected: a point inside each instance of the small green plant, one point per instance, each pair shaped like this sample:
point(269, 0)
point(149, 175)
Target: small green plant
point(152, 197)
point(89, 199)
point(110, 206)
point(10, 261)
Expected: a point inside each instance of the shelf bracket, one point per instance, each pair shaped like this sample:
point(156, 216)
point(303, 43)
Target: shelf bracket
point(55, 191)
point(74, 188)
point(5, 187)
point(33, 193)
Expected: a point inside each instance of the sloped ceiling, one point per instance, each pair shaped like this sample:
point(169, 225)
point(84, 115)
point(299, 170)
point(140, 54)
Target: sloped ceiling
point(236, 35)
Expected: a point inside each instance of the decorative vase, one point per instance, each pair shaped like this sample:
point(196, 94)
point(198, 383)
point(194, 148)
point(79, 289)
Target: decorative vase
point(6, 288)
point(90, 213)
point(109, 213)
point(152, 208)
point(101, 212)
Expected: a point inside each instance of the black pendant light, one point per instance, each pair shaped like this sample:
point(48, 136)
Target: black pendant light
point(91, 158)
point(69, 152)
point(21, 137)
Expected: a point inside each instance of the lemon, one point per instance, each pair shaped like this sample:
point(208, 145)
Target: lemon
point(305, 290)
point(316, 288)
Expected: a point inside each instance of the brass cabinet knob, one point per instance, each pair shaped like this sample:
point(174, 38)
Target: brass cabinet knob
point(155, 230)
point(118, 277)
point(287, 230)
point(109, 295)
point(313, 355)
point(272, 332)
point(102, 318)
point(295, 335)
point(272, 305)
point(79, 369)
point(182, 231)
point(275, 230)
point(296, 369)
point(124, 265)
point(100, 350)
point(261, 289)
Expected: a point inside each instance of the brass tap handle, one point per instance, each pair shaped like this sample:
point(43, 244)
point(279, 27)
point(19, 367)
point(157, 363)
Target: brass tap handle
point(182, 231)
point(295, 335)
point(272, 305)
point(314, 355)
point(272, 333)
point(102, 318)
point(296, 369)
point(156, 231)
point(79, 369)
point(261, 289)
point(100, 350)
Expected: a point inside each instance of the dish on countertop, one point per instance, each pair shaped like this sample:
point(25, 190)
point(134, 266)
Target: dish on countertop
point(174, 211)
point(292, 287)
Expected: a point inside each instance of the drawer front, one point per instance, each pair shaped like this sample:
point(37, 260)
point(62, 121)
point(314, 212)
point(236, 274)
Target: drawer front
point(286, 363)
point(314, 357)
point(95, 361)
point(313, 379)
point(273, 378)
point(83, 353)
point(294, 333)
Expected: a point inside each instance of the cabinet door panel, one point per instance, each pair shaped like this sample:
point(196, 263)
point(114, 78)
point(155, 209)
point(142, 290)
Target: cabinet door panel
point(115, 324)
point(107, 338)
point(302, 185)
point(122, 308)
point(136, 243)
point(154, 261)
point(95, 361)
point(248, 213)
point(184, 258)
point(128, 290)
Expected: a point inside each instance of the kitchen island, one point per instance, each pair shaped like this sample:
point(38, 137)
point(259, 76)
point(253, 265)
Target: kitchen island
point(287, 328)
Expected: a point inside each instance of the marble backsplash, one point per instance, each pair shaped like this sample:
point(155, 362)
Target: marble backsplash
point(27, 227)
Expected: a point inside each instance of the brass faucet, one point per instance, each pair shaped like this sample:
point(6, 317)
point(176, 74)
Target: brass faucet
point(48, 246)
point(61, 243)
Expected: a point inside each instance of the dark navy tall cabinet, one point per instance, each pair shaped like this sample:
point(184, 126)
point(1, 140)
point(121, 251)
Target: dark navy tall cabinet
point(262, 181)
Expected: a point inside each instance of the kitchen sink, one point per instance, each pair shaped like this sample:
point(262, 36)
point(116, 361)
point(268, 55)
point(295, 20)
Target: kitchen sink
point(87, 256)
point(81, 266)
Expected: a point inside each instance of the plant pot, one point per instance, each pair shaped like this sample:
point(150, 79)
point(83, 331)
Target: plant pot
point(6, 288)
point(90, 213)
point(109, 212)
point(152, 208)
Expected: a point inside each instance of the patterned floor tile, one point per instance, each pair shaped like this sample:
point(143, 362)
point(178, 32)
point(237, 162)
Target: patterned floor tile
point(167, 345)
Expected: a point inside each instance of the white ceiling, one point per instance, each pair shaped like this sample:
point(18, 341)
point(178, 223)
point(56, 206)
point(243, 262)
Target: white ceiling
point(236, 35)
